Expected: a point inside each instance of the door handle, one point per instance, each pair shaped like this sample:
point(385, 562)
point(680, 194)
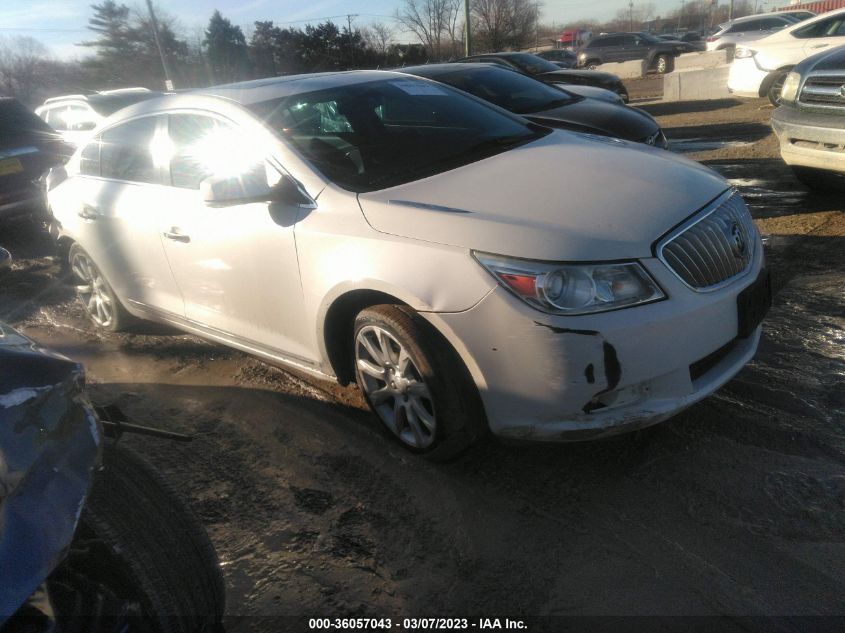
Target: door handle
point(819, 45)
point(88, 212)
point(176, 236)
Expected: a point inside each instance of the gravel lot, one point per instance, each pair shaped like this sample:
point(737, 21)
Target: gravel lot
point(734, 508)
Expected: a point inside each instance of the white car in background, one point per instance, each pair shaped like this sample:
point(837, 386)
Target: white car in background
point(759, 70)
point(74, 116)
point(752, 28)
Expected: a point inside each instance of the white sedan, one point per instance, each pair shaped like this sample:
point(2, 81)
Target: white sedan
point(760, 69)
point(469, 269)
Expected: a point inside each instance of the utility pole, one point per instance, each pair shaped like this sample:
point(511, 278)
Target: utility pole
point(349, 35)
point(467, 31)
point(168, 81)
point(731, 10)
point(631, 13)
point(679, 15)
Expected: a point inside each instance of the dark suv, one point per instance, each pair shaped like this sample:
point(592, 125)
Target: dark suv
point(658, 54)
point(28, 148)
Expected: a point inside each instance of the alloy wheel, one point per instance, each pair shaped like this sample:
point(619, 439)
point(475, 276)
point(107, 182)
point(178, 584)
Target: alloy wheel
point(661, 65)
point(776, 88)
point(394, 387)
point(93, 291)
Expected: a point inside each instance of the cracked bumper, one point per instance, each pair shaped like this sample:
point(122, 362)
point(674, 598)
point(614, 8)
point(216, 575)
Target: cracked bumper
point(554, 378)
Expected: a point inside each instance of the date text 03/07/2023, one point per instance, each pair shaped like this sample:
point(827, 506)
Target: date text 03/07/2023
point(414, 624)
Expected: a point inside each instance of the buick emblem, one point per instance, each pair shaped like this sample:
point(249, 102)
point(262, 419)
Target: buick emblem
point(737, 240)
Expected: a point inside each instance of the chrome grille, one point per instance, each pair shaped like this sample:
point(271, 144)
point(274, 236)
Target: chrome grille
point(714, 246)
point(824, 89)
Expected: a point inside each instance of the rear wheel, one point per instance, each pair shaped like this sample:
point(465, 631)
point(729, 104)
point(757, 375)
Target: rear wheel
point(415, 383)
point(140, 561)
point(776, 87)
point(95, 293)
point(592, 65)
point(663, 64)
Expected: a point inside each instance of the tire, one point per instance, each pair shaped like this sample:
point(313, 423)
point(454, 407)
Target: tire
point(139, 553)
point(95, 293)
point(663, 64)
point(415, 383)
point(592, 64)
point(819, 180)
point(775, 87)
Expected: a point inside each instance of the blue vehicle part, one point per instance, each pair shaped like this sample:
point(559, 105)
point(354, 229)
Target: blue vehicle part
point(50, 443)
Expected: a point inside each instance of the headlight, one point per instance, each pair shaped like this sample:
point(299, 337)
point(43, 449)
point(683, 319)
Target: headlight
point(743, 53)
point(573, 288)
point(789, 92)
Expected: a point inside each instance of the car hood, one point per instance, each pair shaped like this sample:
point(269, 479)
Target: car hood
point(601, 116)
point(594, 92)
point(566, 196)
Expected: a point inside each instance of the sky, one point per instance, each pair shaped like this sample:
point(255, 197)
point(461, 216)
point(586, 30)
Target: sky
point(61, 24)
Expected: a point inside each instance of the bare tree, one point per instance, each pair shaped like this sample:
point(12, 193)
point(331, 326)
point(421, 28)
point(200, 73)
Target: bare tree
point(21, 60)
point(379, 37)
point(503, 24)
point(434, 22)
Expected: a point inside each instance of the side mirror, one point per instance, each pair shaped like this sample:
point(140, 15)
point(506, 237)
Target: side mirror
point(226, 191)
point(287, 191)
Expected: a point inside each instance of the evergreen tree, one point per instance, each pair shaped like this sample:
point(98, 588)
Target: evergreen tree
point(115, 47)
point(226, 50)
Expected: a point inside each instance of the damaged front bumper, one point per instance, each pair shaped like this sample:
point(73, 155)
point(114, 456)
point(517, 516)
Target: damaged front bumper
point(554, 378)
point(50, 442)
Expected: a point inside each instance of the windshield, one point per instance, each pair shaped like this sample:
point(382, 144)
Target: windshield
point(648, 37)
point(383, 133)
point(533, 64)
point(508, 89)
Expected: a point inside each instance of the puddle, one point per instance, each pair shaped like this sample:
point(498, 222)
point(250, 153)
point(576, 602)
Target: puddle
point(766, 192)
point(687, 145)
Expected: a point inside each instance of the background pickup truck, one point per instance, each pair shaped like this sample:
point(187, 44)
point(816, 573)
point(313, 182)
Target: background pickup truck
point(658, 54)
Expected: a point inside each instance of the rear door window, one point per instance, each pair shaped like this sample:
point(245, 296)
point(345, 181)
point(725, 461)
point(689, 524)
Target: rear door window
point(89, 160)
point(832, 27)
point(126, 152)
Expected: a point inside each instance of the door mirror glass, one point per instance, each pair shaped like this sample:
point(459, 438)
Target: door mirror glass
point(224, 191)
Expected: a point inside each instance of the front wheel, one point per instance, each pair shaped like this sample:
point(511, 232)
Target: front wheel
point(415, 383)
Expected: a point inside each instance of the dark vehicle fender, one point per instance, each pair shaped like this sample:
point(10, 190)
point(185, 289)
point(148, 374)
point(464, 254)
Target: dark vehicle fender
point(50, 442)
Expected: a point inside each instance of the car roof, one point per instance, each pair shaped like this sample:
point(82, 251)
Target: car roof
point(222, 98)
point(748, 18)
point(434, 70)
point(257, 90)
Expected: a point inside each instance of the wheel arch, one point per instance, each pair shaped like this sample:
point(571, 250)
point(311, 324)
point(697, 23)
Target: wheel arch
point(338, 319)
point(770, 79)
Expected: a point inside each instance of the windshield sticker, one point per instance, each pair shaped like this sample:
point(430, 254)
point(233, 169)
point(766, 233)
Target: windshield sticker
point(421, 88)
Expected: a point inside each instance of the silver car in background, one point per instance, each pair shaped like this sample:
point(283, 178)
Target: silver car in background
point(472, 271)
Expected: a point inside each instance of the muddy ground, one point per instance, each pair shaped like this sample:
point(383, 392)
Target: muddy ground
point(735, 508)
